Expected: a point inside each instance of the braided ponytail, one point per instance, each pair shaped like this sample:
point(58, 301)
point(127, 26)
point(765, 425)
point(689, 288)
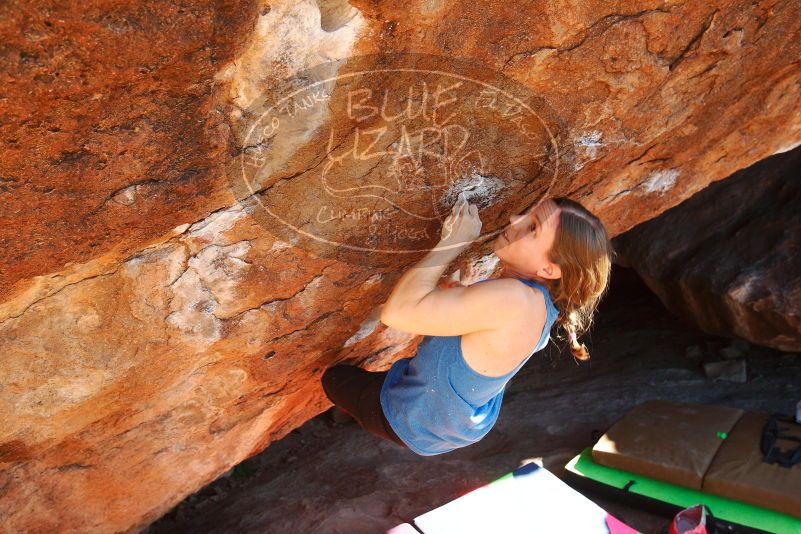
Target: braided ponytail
point(579, 350)
point(584, 253)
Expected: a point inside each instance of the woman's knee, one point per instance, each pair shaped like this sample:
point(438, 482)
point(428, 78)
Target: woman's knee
point(335, 376)
point(328, 379)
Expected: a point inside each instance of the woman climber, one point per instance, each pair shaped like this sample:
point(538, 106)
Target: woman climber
point(556, 261)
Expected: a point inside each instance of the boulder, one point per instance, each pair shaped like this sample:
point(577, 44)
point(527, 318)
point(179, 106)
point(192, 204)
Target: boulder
point(729, 258)
point(177, 268)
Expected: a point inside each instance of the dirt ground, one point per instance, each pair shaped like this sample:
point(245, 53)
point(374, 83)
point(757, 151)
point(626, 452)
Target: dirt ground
point(334, 477)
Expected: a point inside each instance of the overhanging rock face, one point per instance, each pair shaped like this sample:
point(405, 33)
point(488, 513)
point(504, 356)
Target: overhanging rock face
point(172, 284)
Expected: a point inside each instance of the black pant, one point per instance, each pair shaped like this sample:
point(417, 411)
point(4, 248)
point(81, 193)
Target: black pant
point(357, 391)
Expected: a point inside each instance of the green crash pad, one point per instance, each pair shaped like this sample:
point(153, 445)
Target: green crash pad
point(708, 448)
point(584, 467)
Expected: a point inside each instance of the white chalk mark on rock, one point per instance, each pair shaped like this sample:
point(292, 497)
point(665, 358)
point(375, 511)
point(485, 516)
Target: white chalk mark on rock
point(367, 327)
point(587, 146)
point(480, 269)
point(279, 245)
point(217, 223)
point(590, 139)
point(660, 181)
point(372, 280)
point(478, 189)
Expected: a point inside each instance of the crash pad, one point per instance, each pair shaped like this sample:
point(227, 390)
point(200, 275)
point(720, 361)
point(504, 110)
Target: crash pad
point(739, 472)
point(530, 499)
point(642, 491)
point(670, 441)
point(403, 528)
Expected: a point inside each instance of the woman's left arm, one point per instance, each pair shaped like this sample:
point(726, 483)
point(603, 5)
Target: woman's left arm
point(460, 228)
point(416, 305)
point(420, 280)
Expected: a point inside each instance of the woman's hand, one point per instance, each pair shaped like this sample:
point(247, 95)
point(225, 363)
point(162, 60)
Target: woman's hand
point(461, 227)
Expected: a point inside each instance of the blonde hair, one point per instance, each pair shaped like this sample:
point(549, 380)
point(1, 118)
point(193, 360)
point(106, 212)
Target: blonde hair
point(584, 254)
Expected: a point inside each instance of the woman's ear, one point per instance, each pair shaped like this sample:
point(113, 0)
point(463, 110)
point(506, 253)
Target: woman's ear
point(550, 271)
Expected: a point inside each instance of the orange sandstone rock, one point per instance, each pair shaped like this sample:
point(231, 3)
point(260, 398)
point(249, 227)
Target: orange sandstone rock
point(159, 326)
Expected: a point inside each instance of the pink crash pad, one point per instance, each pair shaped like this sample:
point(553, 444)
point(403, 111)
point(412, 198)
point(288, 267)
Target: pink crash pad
point(403, 528)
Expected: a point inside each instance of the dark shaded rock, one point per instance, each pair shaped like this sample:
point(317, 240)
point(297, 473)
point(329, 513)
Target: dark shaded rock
point(729, 258)
point(729, 370)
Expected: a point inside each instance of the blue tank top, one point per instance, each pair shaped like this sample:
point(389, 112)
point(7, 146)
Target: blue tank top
point(435, 402)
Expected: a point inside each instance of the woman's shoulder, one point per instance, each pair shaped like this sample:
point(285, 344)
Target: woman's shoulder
point(520, 283)
point(535, 296)
point(541, 289)
point(513, 290)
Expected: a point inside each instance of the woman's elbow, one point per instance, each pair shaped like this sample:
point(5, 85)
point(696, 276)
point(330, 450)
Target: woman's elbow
point(385, 315)
point(392, 317)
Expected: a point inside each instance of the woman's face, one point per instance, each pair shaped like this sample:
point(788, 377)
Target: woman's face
point(525, 244)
